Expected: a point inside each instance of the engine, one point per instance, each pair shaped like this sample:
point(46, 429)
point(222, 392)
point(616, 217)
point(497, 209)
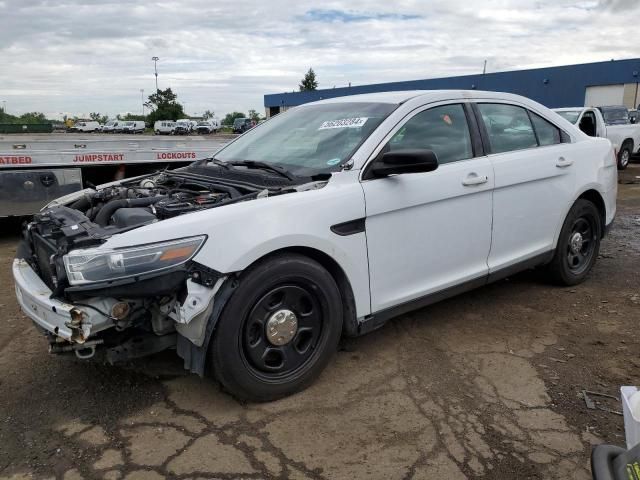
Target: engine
point(164, 196)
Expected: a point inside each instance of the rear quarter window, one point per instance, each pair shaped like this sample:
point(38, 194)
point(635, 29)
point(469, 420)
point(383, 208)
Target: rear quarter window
point(548, 133)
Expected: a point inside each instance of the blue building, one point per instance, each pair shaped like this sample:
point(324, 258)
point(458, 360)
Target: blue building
point(601, 83)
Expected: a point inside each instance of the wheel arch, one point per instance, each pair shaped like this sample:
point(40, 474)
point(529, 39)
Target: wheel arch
point(350, 322)
point(595, 197)
point(196, 357)
point(592, 194)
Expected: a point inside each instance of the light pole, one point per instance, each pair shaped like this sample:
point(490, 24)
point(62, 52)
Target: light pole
point(4, 107)
point(155, 67)
point(142, 100)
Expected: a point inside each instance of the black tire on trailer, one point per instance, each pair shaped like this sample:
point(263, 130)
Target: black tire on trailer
point(278, 330)
point(578, 244)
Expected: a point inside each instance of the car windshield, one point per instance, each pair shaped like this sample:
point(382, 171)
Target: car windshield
point(615, 116)
point(570, 115)
point(204, 123)
point(309, 139)
point(238, 121)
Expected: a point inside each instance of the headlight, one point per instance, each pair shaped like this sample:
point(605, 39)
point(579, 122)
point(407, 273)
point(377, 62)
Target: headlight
point(96, 265)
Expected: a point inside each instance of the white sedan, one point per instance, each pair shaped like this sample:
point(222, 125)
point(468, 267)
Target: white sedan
point(324, 221)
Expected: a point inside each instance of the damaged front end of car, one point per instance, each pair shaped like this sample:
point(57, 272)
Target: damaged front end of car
point(116, 304)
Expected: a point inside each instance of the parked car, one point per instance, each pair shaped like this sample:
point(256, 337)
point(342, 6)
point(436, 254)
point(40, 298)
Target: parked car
point(183, 127)
point(211, 125)
point(328, 220)
point(85, 127)
point(608, 122)
point(241, 125)
point(136, 126)
point(110, 126)
point(164, 127)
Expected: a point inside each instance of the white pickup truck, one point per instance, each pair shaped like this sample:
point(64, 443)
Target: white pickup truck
point(609, 122)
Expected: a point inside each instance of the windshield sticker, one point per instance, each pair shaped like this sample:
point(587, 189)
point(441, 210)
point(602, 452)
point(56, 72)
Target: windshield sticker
point(344, 123)
point(333, 161)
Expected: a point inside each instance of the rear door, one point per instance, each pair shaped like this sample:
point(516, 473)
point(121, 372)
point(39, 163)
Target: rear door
point(534, 169)
point(430, 231)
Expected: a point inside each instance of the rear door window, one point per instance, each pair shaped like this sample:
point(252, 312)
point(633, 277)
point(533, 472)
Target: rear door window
point(508, 127)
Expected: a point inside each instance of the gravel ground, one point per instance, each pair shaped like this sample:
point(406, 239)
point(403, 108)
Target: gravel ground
point(485, 385)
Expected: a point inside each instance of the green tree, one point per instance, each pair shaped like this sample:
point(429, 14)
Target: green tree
point(164, 106)
point(230, 117)
point(97, 117)
point(309, 81)
point(29, 117)
point(253, 115)
point(208, 114)
point(133, 116)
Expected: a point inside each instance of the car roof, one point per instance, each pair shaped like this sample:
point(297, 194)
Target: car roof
point(569, 109)
point(397, 97)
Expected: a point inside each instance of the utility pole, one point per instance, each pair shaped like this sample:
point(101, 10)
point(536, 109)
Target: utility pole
point(4, 107)
point(142, 99)
point(155, 67)
point(484, 69)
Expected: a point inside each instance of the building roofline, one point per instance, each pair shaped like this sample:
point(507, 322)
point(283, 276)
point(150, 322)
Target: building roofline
point(469, 81)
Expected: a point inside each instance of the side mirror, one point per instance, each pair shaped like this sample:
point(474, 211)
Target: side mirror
point(404, 161)
point(633, 120)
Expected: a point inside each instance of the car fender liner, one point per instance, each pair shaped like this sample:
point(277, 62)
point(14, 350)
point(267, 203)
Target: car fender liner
point(194, 356)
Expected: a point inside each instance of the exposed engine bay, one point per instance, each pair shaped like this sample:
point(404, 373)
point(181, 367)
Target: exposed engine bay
point(138, 313)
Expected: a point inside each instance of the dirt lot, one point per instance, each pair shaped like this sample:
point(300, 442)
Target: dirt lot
point(486, 385)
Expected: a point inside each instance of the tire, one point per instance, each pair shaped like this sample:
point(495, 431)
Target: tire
point(578, 244)
point(624, 156)
point(254, 366)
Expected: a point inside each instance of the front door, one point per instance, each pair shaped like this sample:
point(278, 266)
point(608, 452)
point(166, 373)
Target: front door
point(429, 231)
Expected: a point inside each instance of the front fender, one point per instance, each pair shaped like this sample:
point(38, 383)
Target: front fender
point(242, 233)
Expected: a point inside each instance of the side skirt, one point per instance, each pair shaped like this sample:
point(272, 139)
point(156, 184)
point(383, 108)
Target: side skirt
point(378, 319)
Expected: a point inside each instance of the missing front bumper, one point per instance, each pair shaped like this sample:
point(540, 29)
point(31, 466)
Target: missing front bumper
point(73, 323)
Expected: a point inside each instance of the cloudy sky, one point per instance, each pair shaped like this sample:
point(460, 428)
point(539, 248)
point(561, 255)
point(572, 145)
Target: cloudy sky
point(76, 56)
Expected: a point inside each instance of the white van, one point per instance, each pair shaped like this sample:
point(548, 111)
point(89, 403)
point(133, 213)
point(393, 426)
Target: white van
point(211, 125)
point(86, 127)
point(132, 126)
point(109, 126)
point(184, 126)
point(166, 127)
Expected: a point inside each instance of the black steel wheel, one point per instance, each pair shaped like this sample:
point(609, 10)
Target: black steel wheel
point(278, 330)
point(578, 245)
point(282, 330)
point(581, 244)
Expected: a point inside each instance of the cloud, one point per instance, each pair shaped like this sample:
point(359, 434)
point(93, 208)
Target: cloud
point(619, 5)
point(83, 56)
point(321, 15)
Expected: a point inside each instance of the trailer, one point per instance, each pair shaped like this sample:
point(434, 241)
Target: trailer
point(36, 169)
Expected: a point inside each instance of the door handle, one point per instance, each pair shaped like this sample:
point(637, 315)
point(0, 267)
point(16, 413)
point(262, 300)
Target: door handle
point(474, 179)
point(563, 163)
